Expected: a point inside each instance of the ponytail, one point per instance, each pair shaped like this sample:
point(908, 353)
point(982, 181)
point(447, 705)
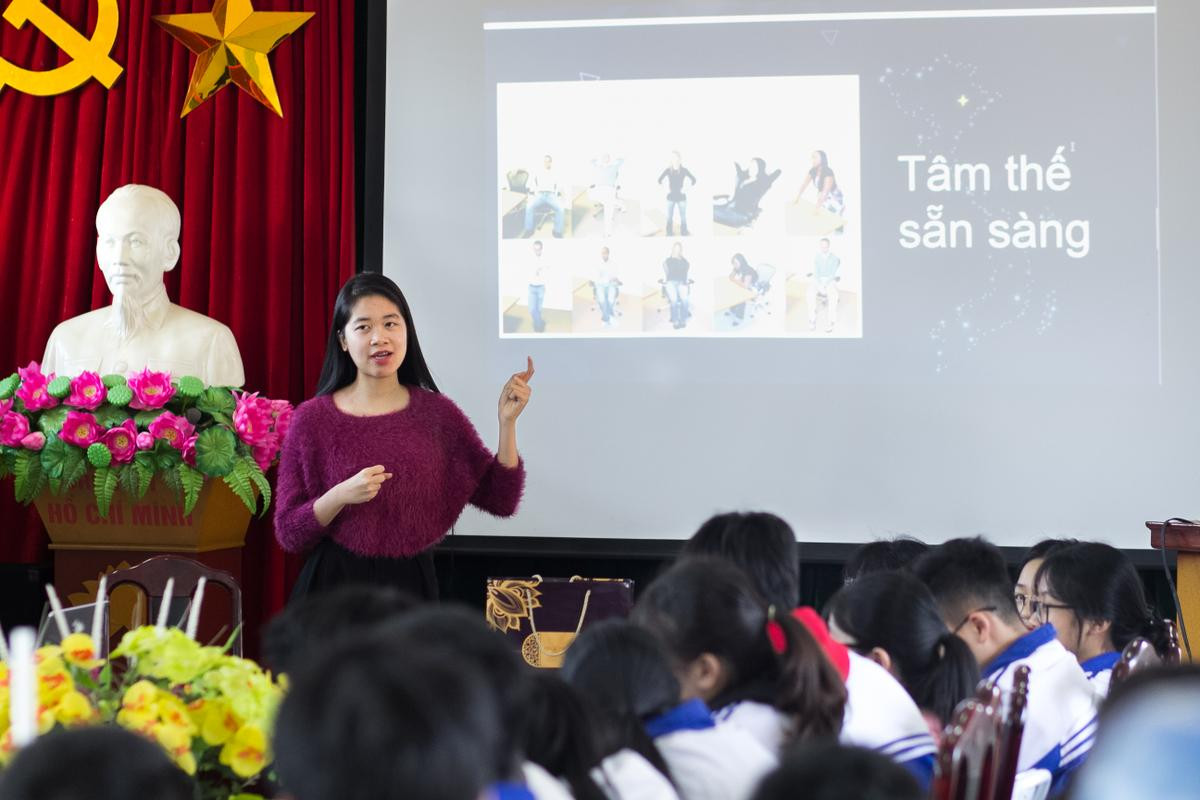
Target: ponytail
point(809, 689)
point(949, 679)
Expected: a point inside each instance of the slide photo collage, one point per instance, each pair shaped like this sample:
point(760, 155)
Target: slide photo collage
point(681, 207)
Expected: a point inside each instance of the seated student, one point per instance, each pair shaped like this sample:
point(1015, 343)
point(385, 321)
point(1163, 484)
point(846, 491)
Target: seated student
point(1092, 595)
point(891, 618)
point(754, 667)
point(561, 736)
point(880, 715)
point(628, 677)
point(107, 763)
point(1026, 590)
point(882, 555)
point(310, 624)
point(372, 719)
point(458, 634)
point(1148, 738)
point(829, 771)
point(969, 581)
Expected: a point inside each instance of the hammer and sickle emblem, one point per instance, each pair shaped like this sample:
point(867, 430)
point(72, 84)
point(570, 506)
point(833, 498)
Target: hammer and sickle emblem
point(89, 57)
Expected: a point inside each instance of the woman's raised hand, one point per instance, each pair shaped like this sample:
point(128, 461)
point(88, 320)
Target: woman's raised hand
point(515, 394)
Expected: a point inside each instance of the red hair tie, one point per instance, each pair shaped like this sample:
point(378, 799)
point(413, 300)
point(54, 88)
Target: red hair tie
point(775, 632)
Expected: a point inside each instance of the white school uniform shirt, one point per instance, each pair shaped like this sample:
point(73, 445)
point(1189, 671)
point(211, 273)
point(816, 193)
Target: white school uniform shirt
point(881, 716)
point(1060, 718)
point(542, 785)
point(764, 722)
point(626, 775)
point(709, 761)
point(1099, 671)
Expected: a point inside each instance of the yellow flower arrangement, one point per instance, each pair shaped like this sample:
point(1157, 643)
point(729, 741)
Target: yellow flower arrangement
point(211, 712)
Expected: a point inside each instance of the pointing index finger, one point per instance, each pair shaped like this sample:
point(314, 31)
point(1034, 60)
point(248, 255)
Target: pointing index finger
point(528, 373)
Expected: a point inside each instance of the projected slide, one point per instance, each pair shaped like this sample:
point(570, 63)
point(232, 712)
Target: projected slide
point(709, 207)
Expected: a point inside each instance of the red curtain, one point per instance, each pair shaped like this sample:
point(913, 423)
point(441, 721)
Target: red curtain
point(267, 204)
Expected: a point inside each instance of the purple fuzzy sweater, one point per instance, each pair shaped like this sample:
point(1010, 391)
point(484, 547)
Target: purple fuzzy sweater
point(438, 465)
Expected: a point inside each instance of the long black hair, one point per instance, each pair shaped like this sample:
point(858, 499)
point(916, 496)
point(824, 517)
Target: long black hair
point(707, 605)
point(1100, 583)
point(559, 734)
point(339, 369)
point(895, 612)
point(625, 678)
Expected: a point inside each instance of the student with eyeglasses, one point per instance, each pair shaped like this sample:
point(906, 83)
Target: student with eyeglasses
point(1092, 595)
point(971, 586)
point(1025, 590)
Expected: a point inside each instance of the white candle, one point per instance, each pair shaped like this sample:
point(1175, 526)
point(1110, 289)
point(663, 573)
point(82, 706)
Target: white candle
point(98, 613)
point(60, 619)
point(194, 617)
point(22, 684)
point(166, 605)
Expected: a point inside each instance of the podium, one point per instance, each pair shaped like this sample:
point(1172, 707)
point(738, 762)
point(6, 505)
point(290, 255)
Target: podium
point(86, 545)
point(1185, 539)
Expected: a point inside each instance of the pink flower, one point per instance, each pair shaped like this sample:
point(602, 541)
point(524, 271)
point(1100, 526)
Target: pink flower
point(144, 441)
point(80, 428)
point(189, 451)
point(121, 441)
point(282, 410)
point(150, 390)
point(252, 418)
point(34, 441)
point(5, 407)
point(33, 389)
point(173, 428)
point(87, 391)
point(13, 428)
point(265, 452)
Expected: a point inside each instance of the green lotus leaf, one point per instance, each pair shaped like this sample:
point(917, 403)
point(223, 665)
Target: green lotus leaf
point(60, 387)
point(98, 455)
point(113, 381)
point(216, 451)
point(190, 387)
point(120, 395)
point(8, 386)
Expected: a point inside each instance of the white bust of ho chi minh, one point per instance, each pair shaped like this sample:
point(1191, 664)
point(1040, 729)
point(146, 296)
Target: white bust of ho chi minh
point(137, 241)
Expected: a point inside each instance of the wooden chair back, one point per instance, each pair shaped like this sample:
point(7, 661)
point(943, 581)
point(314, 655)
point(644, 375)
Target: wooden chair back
point(151, 577)
point(967, 755)
point(1138, 656)
point(1012, 731)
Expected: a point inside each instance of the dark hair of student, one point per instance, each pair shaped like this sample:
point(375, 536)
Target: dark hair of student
point(1100, 583)
point(1043, 547)
point(895, 612)
point(309, 625)
point(830, 771)
point(740, 263)
point(371, 719)
point(707, 605)
point(968, 575)
point(339, 369)
point(103, 763)
point(624, 676)
point(458, 634)
point(760, 544)
point(882, 555)
point(559, 734)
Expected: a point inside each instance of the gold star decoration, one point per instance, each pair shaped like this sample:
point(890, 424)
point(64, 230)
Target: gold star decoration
point(231, 44)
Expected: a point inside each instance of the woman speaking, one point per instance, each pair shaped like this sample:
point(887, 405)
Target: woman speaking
point(378, 466)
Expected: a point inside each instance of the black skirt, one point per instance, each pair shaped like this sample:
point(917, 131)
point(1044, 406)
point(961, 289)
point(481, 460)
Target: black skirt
point(330, 565)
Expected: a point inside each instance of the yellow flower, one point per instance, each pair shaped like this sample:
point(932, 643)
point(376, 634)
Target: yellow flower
point(75, 709)
point(141, 696)
point(173, 712)
point(168, 654)
point(219, 723)
point(178, 744)
point(6, 747)
point(53, 679)
point(46, 721)
point(78, 649)
point(246, 752)
point(142, 722)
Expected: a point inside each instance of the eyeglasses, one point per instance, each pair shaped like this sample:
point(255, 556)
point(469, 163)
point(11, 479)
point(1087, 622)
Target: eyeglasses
point(1040, 609)
point(1023, 603)
point(967, 618)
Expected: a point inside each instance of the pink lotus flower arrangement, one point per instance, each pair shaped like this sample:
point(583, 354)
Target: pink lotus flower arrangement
point(125, 432)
